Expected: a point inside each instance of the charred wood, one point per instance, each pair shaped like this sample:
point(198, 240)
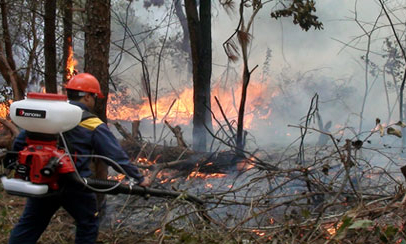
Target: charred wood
point(183, 159)
point(178, 134)
point(136, 129)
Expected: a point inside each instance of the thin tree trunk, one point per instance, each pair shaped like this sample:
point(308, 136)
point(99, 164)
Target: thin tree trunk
point(240, 125)
point(244, 39)
point(50, 46)
point(183, 23)
point(7, 63)
point(206, 64)
point(185, 46)
point(6, 33)
point(67, 39)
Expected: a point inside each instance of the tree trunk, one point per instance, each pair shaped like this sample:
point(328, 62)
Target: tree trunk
point(206, 63)
point(50, 46)
point(185, 45)
point(97, 46)
point(7, 64)
point(67, 39)
point(200, 43)
point(241, 111)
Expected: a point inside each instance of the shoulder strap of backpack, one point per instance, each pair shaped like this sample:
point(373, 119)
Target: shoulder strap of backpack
point(87, 115)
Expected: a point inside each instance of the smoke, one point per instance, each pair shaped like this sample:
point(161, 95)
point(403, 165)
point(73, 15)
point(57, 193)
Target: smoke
point(295, 64)
point(329, 62)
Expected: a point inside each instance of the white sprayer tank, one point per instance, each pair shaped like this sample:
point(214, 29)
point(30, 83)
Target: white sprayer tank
point(45, 113)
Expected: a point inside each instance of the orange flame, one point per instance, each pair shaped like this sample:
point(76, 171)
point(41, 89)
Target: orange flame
point(147, 162)
point(4, 110)
point(196, 174)
point(332, 229)
point(177, 108)
point(70, 64)
point(259, 232)
point(118, 177)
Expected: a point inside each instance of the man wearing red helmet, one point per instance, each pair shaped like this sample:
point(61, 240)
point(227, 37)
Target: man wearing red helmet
point(90, 137)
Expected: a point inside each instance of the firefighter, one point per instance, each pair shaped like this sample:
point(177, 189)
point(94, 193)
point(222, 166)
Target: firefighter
point(91, 136)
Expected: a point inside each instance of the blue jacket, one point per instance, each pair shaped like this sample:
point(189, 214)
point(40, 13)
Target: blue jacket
point(91, 137)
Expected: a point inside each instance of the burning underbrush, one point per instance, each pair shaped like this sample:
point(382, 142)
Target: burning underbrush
point(336, 194)
point(342, 192)
point(177, 106)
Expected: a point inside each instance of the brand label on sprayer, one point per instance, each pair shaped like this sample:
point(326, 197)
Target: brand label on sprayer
point(30, 113)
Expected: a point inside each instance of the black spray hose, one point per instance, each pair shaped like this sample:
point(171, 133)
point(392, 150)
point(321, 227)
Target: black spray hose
point(115, 187)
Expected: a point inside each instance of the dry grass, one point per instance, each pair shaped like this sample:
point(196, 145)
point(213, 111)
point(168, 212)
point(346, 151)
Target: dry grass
point(261, 207)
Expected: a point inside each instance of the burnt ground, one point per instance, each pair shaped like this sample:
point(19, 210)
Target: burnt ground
point(334, 195)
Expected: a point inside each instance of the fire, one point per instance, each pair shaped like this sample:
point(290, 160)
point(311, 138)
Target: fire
point(165, 177)
point(259, 232)
point(145, 161)
point(177, 108)
point(164, 181)
point(70, 64)
point(197, 174)
point(167, 180)
point(181, 111)
point(118, 177)
point(142, 160)
point(4, 110)
point(332, 229)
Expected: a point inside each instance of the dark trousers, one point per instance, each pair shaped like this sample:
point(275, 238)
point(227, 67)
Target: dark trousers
point(38, 212)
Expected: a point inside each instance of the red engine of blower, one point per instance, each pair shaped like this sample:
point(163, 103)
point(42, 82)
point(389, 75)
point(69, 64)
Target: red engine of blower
point(42, 162)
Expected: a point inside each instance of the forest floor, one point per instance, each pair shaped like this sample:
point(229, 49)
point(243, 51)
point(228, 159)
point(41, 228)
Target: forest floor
point(361, 203)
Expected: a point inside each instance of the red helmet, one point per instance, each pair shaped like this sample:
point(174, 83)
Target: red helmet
point(85, 82)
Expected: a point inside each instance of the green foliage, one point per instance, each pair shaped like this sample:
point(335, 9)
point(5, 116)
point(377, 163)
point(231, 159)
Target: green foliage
point(306, 213)
point(361, 224)
point(302, 14)
point(5, 225)
point(341, 232)
point(186, 237)
point(388, 234)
